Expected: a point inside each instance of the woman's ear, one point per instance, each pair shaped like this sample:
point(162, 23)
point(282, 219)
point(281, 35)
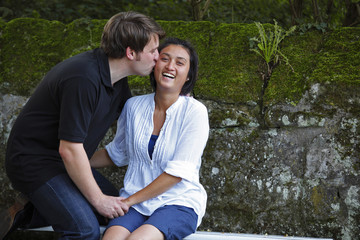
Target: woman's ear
point(130, 54)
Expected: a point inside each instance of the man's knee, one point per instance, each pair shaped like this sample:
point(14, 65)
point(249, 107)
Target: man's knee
point(81, 232)
point(92, 233)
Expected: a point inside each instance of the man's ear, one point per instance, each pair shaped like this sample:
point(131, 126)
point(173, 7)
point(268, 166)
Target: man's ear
point(130, 54)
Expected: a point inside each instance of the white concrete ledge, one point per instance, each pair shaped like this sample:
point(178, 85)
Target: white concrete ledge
point(200, 235)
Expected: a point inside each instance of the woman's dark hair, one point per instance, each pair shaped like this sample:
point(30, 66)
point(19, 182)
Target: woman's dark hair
point(194, 62)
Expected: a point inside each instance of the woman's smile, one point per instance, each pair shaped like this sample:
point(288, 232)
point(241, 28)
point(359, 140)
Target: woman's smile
point(172, 68)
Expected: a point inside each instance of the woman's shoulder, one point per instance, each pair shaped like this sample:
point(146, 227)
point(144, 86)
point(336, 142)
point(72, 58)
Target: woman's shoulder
point(139, 101)
point(194, 103)
point(141, 98)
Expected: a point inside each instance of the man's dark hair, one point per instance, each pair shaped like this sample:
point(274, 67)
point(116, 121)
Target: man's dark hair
point(128, 29)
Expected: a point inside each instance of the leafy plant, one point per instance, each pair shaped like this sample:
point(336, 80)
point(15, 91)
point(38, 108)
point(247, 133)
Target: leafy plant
point(268, 47)
point(303, 28)
point(268, 44)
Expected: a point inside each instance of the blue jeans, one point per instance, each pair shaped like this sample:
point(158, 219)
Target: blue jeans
point(63, 207)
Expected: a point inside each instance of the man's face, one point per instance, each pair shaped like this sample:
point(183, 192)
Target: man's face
point(145, 60)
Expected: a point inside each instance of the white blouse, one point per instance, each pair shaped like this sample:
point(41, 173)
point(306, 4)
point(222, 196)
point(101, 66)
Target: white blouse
point(177, 151)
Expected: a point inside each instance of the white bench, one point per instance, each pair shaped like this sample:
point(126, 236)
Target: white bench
point(201, 235)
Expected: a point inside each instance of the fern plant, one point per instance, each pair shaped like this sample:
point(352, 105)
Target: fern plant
point(268, 44)
point(268, 47)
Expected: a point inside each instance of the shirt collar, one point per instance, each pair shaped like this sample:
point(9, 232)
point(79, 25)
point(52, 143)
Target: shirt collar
point(173, 107)
point(104, 68)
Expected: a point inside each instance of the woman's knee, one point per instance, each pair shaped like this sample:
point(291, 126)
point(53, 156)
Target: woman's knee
point(116, 233)
point(146, 232)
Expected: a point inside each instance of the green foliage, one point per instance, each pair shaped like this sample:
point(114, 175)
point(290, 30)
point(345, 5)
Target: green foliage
point(268, 43)
point(220, 11)
point(249, 11)
point(322, 27)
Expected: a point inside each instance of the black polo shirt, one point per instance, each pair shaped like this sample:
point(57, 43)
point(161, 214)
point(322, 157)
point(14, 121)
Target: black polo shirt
point(75, 102)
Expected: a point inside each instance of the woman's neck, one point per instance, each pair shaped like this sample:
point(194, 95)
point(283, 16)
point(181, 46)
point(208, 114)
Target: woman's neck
point(164, 101)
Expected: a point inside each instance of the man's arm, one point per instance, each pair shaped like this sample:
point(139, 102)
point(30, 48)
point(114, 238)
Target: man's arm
point(78, 167)
point(160, 185)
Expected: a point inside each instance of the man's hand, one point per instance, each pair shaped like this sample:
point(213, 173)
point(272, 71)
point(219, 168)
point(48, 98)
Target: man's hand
point(111, 207)
point(78, 167)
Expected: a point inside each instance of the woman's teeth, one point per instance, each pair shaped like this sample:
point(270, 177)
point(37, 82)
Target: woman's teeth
point(168, 75)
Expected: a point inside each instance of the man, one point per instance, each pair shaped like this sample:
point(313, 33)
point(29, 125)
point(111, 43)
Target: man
point(61, 125)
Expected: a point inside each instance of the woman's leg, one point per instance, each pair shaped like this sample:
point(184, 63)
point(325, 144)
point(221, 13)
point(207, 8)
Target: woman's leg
point(121, 227)
point(146, 232)
point(116, 233)
point(170, 222)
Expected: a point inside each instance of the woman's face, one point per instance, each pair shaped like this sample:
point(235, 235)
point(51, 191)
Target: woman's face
point(172, 68)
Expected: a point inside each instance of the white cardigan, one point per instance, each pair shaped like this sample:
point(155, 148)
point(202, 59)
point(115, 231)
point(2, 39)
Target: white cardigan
point(177, 151)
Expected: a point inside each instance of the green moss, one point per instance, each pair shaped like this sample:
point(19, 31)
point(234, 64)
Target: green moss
point(140, 84)
point(82, 35)
point(228, 69)
point(30, 47)
point(302, 52)
point(339, 66)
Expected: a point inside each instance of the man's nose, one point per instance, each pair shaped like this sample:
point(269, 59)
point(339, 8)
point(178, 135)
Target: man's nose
point(156, 57)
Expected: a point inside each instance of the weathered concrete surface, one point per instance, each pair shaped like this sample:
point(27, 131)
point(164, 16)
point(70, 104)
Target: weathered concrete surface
point(295, 172)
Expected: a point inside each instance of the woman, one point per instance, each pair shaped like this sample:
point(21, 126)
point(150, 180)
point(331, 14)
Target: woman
point(162, 144)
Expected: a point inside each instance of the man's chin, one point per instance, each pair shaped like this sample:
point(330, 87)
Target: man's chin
point(148, 73)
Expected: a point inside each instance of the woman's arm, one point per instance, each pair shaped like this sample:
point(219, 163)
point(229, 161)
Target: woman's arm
point(101, 159)
point(160, 185)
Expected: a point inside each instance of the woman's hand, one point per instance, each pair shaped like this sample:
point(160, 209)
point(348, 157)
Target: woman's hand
point(160, 185)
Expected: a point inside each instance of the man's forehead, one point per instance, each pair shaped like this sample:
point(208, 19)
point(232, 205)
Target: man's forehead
point(154, 42)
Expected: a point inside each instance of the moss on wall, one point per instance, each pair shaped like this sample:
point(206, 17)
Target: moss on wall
point(30, 47)
point(302, 52)
point(228, 70)
point(82, 35)
point(339, 67)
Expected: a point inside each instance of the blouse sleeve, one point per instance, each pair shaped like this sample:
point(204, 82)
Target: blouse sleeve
point(117, 147)
point(190, 145)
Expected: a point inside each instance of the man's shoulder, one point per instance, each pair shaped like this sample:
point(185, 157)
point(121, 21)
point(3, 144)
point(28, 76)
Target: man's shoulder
point(79, 69)
point(80, 62)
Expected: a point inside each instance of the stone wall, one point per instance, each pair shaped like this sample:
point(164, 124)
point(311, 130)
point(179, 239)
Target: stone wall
point(291, 171)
